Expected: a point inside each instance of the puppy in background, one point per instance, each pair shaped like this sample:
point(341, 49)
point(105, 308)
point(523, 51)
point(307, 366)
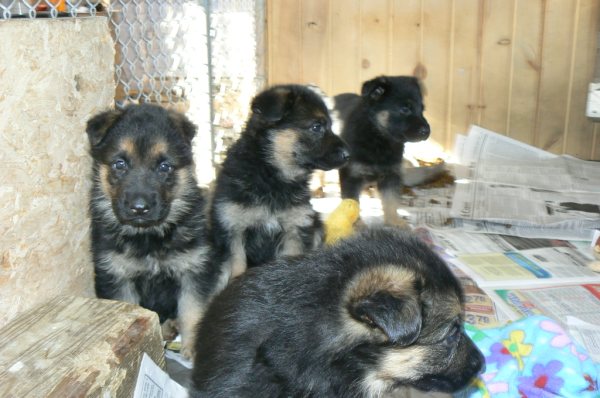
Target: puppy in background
point(261, 202)
point(360, 318)
point(376, 125)
point(149, 241)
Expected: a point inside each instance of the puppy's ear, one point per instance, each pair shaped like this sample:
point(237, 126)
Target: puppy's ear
point(183, 125)
point(272, 105)
point(398, 317)
point(375, 89)
point(98, 125)
point(420, 85)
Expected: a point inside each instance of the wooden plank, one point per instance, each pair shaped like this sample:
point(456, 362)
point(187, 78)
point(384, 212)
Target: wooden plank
point(75, 347)
point(465, 68)
point(554, 83)
point(437, 54)
point(315, 43)
point(497, 42)
point(407, 31)
point(526, 69)
point(374, 38)
point(579, 130)
point(345, 54)
point(285, 41)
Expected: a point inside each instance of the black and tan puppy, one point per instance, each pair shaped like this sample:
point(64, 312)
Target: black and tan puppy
point(149, 241)
point(261, 204)
point(357, 319)
point(376, 125)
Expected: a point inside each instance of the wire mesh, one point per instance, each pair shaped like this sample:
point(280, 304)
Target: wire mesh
point(152, 42)
point(48, 8)
point(164, 55)
point(150, 46)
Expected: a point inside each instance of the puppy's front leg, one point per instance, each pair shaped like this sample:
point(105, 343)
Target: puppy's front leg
point(115, 286)
point(390, 189)
point(236, 262)
point(350, 185)
point(190, 309)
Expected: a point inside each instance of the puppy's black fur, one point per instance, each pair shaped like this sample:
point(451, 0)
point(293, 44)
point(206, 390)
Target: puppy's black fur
point(149, 241)
point(261, 205)
point(376, 125)
point(357, 319)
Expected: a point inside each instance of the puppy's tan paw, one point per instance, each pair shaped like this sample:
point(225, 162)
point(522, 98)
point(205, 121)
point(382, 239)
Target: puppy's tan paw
point(397, 222)
point(169, 329)
point(187, 349)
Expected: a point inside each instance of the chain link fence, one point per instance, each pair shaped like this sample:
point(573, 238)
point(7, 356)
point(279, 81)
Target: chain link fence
point(157, 43)
point(201, 57)
point(48, 8)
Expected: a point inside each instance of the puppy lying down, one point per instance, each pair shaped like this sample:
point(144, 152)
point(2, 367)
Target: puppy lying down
point(357, 319)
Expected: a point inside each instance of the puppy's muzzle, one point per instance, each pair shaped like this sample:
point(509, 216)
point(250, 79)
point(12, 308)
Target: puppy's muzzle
point(139, 208)
point(333, 154)
point(421, 133)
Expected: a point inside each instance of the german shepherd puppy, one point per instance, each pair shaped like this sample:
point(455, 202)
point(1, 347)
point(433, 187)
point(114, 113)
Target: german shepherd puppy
point(261, 202)
point(357, 319)
point(149, 241)
point(376, 124)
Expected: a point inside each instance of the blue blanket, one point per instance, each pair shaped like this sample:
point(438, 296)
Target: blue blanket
point(532, 357)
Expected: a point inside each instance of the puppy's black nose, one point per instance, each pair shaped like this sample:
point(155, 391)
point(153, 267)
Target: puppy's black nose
point(424, 130)
point(345, 155)
point(139, 206)
point(477, 362)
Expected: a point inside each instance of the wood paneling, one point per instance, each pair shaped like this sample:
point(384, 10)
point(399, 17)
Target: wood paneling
point(517, 67)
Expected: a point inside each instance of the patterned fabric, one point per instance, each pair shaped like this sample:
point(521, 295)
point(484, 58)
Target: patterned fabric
point(532, 357)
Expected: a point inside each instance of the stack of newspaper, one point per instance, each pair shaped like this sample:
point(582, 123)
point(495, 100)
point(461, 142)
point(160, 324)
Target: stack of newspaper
point(516, 189)
point(519, 224)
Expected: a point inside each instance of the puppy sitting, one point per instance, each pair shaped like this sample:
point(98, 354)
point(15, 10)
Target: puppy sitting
point(148, 236)
point(376, 124)
point(261, 204)
point(357, 319)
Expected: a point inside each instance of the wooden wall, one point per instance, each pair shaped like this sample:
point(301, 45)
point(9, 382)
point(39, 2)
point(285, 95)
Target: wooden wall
point(517, 67)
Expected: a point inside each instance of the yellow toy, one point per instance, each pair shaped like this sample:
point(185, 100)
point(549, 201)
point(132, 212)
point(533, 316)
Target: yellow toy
point(340, 223)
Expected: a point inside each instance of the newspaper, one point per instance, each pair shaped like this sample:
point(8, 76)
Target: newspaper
point(544, 266)
point(457, 242)
point(497, 260)
point(524, 276)
point(513, 188)
point(576, 307)
point(153, 382)
point(479, 307)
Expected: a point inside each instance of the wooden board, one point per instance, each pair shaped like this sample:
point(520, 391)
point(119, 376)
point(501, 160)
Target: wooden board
point(517, 67)
point(53, 85)
point(76, 347)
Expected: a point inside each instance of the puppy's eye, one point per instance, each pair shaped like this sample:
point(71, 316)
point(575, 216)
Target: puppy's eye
point(454, 336)
point(317, 128)
point(405, 110)
point(119, 165)
point(368, 321)
point(165, 167)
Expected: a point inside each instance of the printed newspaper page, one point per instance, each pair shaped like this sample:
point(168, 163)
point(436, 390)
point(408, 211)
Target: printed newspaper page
point(514, 188)
point(486, 200)
point(563, 173)
point(485, 145)
point(577, 307)
point(457, 242)
point(153, 382)
point(544, 266)
point(479, 307)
